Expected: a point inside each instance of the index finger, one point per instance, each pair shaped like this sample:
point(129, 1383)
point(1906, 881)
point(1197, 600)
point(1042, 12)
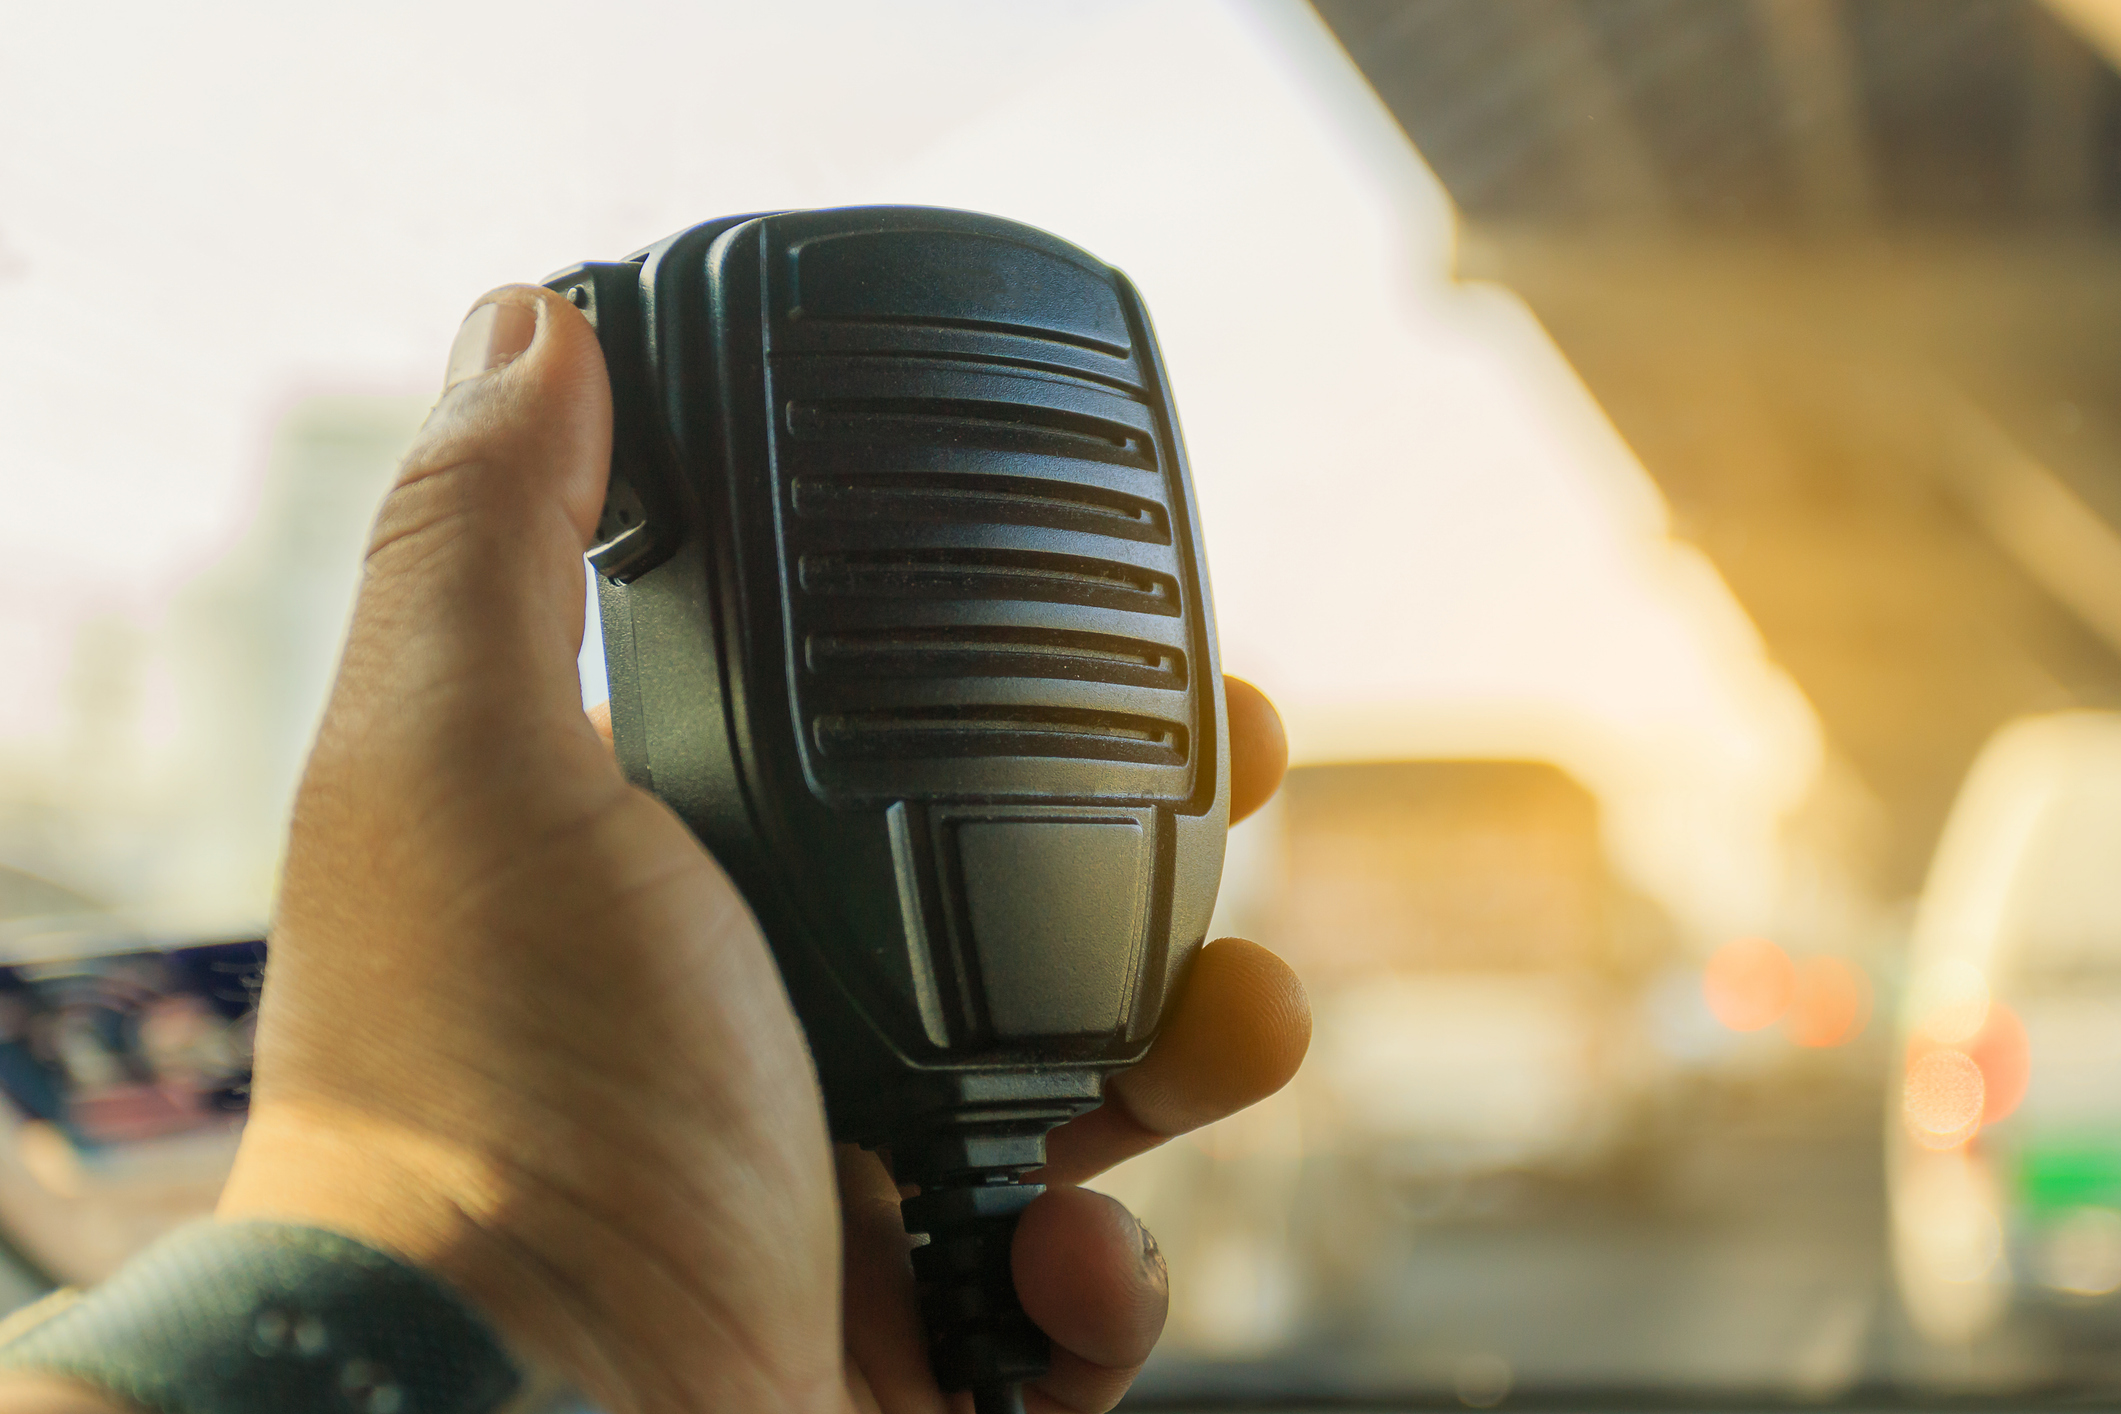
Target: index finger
point(1259, 748)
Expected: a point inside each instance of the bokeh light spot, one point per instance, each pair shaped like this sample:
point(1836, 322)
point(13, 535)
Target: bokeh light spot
point(1830, 1001)
point(2006, 1061)
point(1747, 984)
point(2082, 1253)
point(1950, 1001)
point(1942, 1097)
point(1945, 1210)
point(1483, 1381)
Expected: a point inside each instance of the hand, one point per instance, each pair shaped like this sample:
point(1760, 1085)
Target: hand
point(519, 1027)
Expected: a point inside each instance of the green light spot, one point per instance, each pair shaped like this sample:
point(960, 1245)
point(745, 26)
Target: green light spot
point(2083, 1173)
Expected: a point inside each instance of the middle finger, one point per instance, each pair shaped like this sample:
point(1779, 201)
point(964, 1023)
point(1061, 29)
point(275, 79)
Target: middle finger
point(1092, 1279)
point(1234, 1035)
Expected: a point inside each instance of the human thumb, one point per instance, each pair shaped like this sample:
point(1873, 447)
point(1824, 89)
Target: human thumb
point(469, 619)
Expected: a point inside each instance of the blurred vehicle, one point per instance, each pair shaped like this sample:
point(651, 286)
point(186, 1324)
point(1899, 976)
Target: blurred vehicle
point(1477, 1005)
point(2004, 1124)
point(1475, 972)
point(125, 1076)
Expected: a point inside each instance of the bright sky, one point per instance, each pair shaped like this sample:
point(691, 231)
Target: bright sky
point(1424, 536)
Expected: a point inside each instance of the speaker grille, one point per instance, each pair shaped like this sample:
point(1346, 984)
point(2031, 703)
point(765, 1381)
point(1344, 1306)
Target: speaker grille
point(981, 539)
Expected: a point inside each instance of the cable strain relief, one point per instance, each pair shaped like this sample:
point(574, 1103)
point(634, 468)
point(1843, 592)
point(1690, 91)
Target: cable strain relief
point(978, 1334)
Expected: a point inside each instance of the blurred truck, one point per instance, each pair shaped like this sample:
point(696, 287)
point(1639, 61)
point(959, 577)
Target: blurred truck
point(2003, 1128)
point(1475, 973)
point(1472, 965)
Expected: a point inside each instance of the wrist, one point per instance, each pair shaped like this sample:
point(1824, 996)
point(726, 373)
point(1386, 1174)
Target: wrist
point(577, 1304)
point(431, 1205)
point(265, 1317)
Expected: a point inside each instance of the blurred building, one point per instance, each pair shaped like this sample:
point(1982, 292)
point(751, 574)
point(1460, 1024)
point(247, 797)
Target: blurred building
point(177, 729)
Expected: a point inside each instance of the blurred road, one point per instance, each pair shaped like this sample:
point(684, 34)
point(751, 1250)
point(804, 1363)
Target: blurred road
point(1748, 1257)
point(1751, 1263)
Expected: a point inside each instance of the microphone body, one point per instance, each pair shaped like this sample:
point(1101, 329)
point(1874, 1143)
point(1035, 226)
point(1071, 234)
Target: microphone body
point(906, 613)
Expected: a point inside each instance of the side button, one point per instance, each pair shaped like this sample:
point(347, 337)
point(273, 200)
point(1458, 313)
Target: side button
point(637, 529)
point(625, 539)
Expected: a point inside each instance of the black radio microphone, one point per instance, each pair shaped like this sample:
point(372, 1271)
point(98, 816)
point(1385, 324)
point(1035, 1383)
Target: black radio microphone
point(906, 613)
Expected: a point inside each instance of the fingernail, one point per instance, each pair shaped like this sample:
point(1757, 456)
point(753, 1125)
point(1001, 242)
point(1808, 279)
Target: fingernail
point(493, 334)
point(1153, 1264)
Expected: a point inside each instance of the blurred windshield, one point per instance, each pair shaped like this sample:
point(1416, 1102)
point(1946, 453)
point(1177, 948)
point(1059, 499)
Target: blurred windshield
point(1659, 454)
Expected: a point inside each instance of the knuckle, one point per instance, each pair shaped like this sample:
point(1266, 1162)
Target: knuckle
point(427, 505)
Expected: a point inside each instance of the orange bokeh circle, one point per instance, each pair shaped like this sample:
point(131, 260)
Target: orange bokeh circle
point(1942, 1097)
point(1747, 984)
point(2005, 1056)
point(1830, 1002)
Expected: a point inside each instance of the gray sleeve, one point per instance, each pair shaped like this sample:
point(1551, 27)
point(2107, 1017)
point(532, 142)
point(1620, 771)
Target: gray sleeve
point(271, 1318)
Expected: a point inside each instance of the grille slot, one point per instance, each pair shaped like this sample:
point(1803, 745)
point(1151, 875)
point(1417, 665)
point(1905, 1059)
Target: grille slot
point(1002, 731)
point(968, 422)
point(998, 652)
point(989, 326)
point(1009, 500)
point(991, 574)
point(1119, 378)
